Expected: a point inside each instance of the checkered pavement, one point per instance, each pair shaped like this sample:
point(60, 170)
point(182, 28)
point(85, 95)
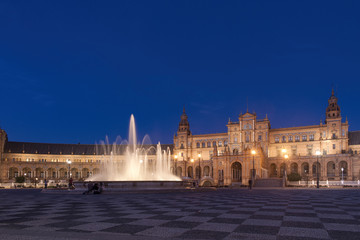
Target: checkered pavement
point(220, 214)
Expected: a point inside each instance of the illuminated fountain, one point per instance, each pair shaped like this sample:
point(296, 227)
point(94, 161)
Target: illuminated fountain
point(131, 164)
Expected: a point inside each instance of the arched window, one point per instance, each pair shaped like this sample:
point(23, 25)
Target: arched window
point(198, 145)
point(214, 143)
point(203, 144)
point(276, 139)
point(283, 138)
point(220, 143)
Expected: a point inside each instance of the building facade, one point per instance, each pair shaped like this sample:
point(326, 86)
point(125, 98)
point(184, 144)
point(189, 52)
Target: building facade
point(249, 147)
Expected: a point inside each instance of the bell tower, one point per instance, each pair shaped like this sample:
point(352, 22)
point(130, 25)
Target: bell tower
point(184, 126)
point(182, 140)
point(333, 109)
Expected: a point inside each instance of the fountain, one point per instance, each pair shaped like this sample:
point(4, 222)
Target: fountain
point(132, 166)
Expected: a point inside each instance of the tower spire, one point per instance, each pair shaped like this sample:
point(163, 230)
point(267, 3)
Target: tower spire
point(247, 104)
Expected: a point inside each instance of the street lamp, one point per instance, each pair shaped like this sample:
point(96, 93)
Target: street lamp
point(253, 152)
point(192, 172)
point(342, 175)
point(69, 163)
point(317, 168)
point(175, 170)
point(199, 155)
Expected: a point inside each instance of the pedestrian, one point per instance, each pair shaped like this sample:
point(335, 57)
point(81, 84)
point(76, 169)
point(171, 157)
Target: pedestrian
point(90, 188)
point(250, 184)
point(70, 183)
point(46, 183)
point(96, 188)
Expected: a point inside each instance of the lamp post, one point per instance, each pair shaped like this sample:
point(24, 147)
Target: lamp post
point(342, 175)
point(175, 160)
point(192, 161)
point(69, 163)
point(199, 155)
point(317, 168)
point(286, 157)
point(253, 152)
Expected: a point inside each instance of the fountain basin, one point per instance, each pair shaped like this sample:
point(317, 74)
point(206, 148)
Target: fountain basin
point(115, 186)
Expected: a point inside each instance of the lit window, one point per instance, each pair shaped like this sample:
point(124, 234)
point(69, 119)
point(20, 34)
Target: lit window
point(208, 144)
point(235, 139)
point(197, 144)
point(297, 138)
point(304, 138)
point(276, 139)
point(311, 137)
point(290, 138)
point(220, 143)
point(283, 139)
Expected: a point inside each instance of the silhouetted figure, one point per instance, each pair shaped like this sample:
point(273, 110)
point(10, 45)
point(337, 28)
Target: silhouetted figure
point(90, 188)
point(46, 183)
point(250, 184)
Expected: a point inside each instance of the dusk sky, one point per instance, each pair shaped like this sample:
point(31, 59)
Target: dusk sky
point(74, 71)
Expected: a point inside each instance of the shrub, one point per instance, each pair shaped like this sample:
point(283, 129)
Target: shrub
point(294, 177)
point(20, 179)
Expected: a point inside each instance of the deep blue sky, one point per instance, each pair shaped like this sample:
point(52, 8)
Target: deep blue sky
point(74, 71)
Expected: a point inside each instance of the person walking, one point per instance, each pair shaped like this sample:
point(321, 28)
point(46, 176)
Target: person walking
point(46, 183)
point(250, 184)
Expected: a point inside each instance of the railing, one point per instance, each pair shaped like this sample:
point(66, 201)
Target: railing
point(325, 183)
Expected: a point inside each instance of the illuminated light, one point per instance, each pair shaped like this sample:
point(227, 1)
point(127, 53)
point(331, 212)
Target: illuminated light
point(318, 153)
point(199, 155)
point(283, 150)
point(192, 160)
point(253, 152)
point(286, 156)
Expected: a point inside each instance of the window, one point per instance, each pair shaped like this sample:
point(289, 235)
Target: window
point(182, 146)
point(220, 143)
point(208, 144)
point(198, 145)
point(334, 146)
point(311, 137)
point(203, 144)
point(276, 139)
point(247, 138)
point(343, 133)
point(324, 134)
point(235, 139)
point(225, 143)
point(214, 143)
point(283, 139)
point(304, 138)
point(297, 138)
point(259, 137)
point(290, 138)
point(333, 136)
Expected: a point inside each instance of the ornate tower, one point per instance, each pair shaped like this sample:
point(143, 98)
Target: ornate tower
point(333, 109)
point(336, 131)
point(184, 126)
point(182, 139)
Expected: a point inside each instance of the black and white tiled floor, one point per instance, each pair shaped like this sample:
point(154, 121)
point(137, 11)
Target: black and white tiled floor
point(220, 214)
